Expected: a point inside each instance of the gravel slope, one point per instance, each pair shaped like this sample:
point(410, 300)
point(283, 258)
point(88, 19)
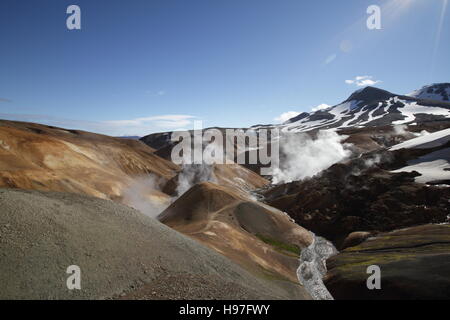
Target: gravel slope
point(121, 253)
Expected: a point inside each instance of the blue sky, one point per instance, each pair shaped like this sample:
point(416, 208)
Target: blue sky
point(143, 66)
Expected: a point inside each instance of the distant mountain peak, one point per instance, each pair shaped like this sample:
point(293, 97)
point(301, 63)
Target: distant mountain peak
point(370, 94)
point(372, 106)
point(435, 91)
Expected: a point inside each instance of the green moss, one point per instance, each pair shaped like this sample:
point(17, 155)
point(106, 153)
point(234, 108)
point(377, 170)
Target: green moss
point(274, 276)
point(348, 263)
point(280, 246)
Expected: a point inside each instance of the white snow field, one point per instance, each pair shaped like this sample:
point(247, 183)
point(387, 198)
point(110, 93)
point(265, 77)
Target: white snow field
point(432, 140)
point(434, 166)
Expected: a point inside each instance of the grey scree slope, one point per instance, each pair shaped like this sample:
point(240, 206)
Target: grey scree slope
point(118, 250)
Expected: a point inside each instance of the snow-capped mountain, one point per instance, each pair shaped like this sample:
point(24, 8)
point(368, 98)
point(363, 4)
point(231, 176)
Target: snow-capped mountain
point(439, 91)
point(369, 107)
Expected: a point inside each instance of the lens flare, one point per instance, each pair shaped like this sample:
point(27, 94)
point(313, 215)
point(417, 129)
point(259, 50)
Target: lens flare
point(439, 32)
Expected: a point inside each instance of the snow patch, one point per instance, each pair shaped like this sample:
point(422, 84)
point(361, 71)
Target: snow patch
point(430, 171)
point(410, 110)
point(432, 140)
point(432, 92)
point(432, 167)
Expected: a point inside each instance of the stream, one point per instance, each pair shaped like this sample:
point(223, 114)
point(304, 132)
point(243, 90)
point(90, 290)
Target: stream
point(313, 268)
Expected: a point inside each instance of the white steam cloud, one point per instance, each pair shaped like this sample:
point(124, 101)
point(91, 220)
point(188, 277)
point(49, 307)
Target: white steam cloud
point(303, 157)
point(193, 174)
point(372, 161)
point(400, 129)
point(143, 194)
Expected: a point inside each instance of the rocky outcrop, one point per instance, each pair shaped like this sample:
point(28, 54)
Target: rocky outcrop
point(355, 238)
point(350, 197)
point(414, 264)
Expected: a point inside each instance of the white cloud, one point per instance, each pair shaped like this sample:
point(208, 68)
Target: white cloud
point(286, 116)
point(164, 121)
point(322, 106)
point(363, 81)
point(146, 125)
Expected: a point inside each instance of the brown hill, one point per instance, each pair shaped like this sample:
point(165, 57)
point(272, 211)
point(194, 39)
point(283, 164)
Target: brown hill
point(233, 175)
point(260, 238)
point(38, 157)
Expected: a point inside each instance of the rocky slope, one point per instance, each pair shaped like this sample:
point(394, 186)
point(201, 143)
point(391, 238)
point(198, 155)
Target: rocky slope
point(261, 239)
point(342, 200)
point(39, 157)
point(121, 253)
point(379, 191)
point(394, 177)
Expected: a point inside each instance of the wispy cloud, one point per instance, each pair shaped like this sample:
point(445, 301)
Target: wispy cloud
point(128, 127)
point(286, 116)
point(5, 100)
point(330, 58)
point(159, 93)
point(170, 121)
point(363, 81)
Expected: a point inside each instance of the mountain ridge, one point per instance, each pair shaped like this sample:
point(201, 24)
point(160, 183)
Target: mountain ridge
point(371, 106)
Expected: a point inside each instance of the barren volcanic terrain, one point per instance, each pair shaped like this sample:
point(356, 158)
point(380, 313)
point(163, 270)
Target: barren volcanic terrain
point(121, 253)
point(259, 237)
point(38, 157)
point(369, 177)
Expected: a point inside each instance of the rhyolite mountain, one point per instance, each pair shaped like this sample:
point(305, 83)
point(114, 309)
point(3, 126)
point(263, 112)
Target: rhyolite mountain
point(395, 178)
point(370, 107)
